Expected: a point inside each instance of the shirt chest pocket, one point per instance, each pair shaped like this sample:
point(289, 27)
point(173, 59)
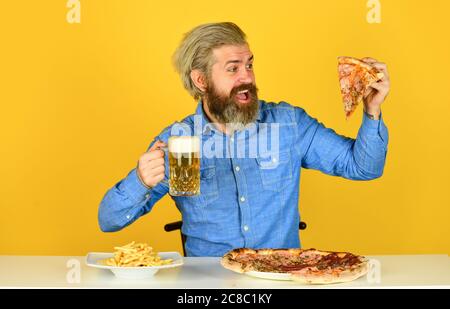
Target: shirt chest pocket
point(275, 170)
point(209, 191)
point(208, 184)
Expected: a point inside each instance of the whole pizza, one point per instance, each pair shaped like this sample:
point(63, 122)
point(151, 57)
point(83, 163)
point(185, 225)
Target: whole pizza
point(304, 265)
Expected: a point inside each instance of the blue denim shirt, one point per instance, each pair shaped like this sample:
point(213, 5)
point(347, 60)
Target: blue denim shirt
point(251, 201)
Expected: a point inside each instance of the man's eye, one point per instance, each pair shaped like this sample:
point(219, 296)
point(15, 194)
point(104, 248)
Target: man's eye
point(232, 69)
point(250, 66)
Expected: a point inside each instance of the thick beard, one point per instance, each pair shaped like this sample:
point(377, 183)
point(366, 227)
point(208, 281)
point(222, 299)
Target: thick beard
point(230, 112)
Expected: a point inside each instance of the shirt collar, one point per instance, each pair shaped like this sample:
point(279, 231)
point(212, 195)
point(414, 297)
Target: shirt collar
point(207, 129)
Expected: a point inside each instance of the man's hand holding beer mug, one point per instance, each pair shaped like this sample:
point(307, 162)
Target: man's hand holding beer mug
point(184, 164)
point(151, 165)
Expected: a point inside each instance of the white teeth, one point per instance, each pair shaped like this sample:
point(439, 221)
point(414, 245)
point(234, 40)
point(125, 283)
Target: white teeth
point(243, 91)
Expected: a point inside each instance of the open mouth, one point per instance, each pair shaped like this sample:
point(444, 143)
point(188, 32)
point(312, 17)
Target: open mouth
point(243, 96)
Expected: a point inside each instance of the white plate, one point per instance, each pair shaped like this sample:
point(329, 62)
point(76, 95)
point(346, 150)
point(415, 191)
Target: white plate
point(93, 258)
point(267, 275)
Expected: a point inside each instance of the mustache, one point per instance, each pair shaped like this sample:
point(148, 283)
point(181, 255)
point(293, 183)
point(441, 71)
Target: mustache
point(252, 89)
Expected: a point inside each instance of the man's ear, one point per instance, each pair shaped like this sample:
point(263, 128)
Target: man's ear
point(199, 79)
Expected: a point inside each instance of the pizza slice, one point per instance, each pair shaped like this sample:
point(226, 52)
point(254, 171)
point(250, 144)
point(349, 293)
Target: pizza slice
point(355, 77)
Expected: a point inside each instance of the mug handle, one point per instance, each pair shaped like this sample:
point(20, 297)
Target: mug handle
point(165, 149)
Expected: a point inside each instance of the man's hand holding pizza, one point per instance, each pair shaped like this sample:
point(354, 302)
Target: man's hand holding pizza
point(377, 92)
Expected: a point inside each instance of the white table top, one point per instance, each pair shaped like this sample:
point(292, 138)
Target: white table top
point(206, 272)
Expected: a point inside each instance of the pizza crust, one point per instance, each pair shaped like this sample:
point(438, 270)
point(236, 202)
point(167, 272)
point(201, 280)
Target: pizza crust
point(232, 265)
point(362, 64)
point(229, 260)
point(329, 278)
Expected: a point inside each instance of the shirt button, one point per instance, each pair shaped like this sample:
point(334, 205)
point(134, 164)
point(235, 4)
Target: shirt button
point(242, 199)
point(274, 160)
point(237, 168)
point(147, 195)
point(245, 228)
point(128, 217)
point(232, 139)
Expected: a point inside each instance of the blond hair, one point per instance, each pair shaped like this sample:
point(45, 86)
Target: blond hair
point(195, 50)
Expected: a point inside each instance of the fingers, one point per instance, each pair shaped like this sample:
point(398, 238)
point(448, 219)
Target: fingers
point(151, 177)
point(381, 67)
point(151, 166)
point(158, 178)
point(151, 172)
point(369, 60)
point(150, 160)
point(152, 155)
point(153, 152)
point(376, 86)
point(385, 80)
point(380, 86)
point(155, 163)
point(155, 171)
point(157, 145)
point(368, 91)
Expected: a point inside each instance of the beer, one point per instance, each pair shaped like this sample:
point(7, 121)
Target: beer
point(184, 165)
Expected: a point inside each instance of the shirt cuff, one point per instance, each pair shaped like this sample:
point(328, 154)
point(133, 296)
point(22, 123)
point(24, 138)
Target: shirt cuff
point(372, 128)
point(134, 188)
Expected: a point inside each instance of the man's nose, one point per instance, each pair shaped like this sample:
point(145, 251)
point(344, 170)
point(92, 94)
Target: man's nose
point(245, 76)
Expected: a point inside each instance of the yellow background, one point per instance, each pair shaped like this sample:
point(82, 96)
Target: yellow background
point(81, 102)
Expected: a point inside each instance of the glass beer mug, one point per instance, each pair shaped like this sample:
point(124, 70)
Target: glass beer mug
point(184, 165)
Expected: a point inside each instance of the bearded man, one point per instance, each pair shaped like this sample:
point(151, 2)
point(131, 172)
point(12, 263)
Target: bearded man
point(245, 200)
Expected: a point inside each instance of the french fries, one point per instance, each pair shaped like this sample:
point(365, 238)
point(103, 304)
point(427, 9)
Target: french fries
point(135, 255)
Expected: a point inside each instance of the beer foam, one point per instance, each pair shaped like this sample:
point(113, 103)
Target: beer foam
point(184, 144)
